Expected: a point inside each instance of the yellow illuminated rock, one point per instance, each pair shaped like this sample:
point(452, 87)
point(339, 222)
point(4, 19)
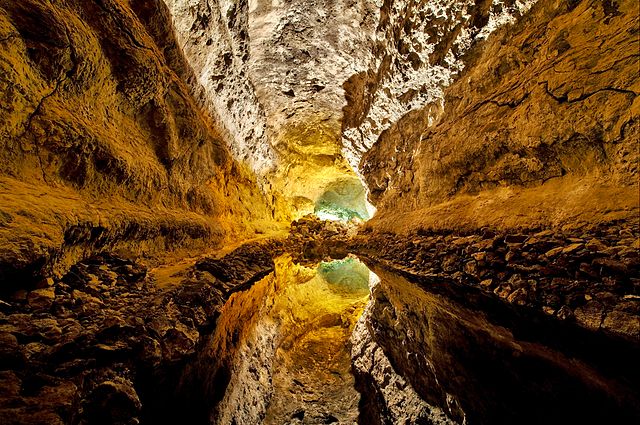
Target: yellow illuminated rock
point(285, 341)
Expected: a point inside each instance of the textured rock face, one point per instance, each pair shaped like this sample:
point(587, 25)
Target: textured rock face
point(102, 144)
point(214, 37)
point(273, 73)
point(418, 48)
point(541, 126)
point(301, 52)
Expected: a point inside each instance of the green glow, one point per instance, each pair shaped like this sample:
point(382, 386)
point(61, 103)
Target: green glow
point(346, 276)
point(343, 200)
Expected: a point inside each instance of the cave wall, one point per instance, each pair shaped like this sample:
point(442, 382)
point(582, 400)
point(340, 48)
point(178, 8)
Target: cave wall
point(416, 49)
point(279, 92)
point(301, 52)
point(428, 352)
point(538, 129)
point(103, 145)
point(214, 36)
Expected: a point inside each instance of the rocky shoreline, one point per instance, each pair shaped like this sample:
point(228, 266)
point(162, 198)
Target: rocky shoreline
point(590, 279)
point(108, 343)
point(105, 343)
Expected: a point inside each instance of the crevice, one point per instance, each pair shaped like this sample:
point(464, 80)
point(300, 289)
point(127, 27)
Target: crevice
point(118, 24)
point(565, 99)
point(67, 74)
point(9, 37)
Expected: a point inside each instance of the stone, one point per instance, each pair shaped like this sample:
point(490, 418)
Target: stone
point(502, 290)
point(595, 245)
point(150, 351)
point(564, 313)
point(179, 342)
point(85, 299)
point(112, 402)
point(41, 299)
point(622, 323)
point(572, 248)
point(511, 255)
point(515, 239)
point(479, 256)
point(10, 385)
point(45, 283)
point(552, 253)
point(590, 315)
point(611, 265)
point(471, 268)
point(486, 283)
point(519, 296)
point(548, 310)
point(11, 356)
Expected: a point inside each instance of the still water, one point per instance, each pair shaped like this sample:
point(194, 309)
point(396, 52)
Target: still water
point(334, 342)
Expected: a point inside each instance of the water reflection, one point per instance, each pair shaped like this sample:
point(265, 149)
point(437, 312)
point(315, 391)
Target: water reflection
point(311, 344)
point(347, 276)
point(481, 362)
point(286, 341)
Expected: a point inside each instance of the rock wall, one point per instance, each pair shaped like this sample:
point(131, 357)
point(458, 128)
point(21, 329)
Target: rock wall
point(214, 36)
point(416, 50)
point(273, 73)
point(538, 130)
point(301, 52)
point(102, 144)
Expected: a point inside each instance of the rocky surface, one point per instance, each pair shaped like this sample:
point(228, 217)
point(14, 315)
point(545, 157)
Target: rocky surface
point(106, 343)
point(301, 53)
point(416, 50)
point(103, 147)
point(538, 130)
point(214, 37)
point(498, 138)
point(272, 73)
point(589, 279)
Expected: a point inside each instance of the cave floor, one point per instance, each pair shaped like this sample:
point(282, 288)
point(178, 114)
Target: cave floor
point(328, 326)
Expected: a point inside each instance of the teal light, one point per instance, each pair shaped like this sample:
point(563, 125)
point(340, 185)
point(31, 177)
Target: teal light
point(348, 275)
point(343, 200)
point(328, 211)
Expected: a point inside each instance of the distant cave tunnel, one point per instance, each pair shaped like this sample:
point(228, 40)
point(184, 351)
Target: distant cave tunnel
point(343, 200)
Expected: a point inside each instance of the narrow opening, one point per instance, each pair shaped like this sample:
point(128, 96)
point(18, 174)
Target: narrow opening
point(343, 200)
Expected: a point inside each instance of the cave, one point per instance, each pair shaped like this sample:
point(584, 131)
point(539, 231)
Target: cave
point(319, 212)
point(343, 200)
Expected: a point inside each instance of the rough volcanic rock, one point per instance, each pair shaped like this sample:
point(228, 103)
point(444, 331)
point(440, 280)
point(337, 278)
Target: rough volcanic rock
point(539, 129)
point(588, 279)
point(214, 37)
point(107, 343)
point(102, 144)
point(418, 48)
point(301, 52)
